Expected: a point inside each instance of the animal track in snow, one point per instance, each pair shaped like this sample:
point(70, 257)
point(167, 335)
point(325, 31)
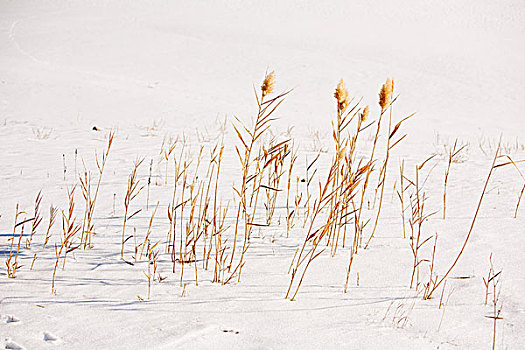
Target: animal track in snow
point(11, 319)
point(10, 344)
point(49, 337)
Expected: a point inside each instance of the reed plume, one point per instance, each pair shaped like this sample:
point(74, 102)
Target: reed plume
point(385, 95)
point(342, 96)
point(268, 84)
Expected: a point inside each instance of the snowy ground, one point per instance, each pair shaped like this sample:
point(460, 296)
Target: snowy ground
point(156, 69)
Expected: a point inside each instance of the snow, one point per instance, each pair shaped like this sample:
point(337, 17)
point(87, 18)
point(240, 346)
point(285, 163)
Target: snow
point(154, 69)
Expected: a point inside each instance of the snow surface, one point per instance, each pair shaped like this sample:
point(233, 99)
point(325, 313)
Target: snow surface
point(153, 69)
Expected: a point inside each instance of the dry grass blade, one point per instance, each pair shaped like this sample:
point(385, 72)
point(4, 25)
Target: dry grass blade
point(443, 278)
point(452, 156)
point(52, 217)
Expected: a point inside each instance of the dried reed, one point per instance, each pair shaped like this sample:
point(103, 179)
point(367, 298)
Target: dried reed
point(52, 217)
point(248, 139)
point(132, 191)
point(69, 228)
point(12, 259)
point(386, 101)
point(418, 217)
point(37, 219)
point(493, 281)
point(90, 201)
point(452, 158)
point(290, 214)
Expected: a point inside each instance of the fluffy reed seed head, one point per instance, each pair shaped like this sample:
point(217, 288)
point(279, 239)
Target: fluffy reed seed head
point(341, 95)
point(385, 95)
point(364, 114)
point(268, 84)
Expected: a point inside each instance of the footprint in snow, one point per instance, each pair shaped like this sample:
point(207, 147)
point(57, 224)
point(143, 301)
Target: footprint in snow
point(11, 319)
point(10, 344)
point(49, 337)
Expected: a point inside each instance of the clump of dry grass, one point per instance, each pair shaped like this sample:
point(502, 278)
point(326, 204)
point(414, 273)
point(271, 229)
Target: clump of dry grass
point(143, 245)
point(399, 312)
point(89, 198)
point(336, 195)
point(192, 234)
point(12, 258)
point(42, 133)
point(313, 236)
point(309, 176)
point(167, 147)
point(70, 229)
point(343, 158)
point(418, 217)
point(432, 278)
point(152, 274)
point(37, 218)
point(385, 102)
point(221, 246)
point(290, 213)
point(195, 214)
point(249, 138)
point(170, 147)
point(347, 178)
point(493, 281)
point(179, 170)
point(351, 212)
point(213, 227)
point(132, 192)
point(274, 159)
point(487, 145)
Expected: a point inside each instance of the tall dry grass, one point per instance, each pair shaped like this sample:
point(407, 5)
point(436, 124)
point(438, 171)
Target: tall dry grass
point(248, 138)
